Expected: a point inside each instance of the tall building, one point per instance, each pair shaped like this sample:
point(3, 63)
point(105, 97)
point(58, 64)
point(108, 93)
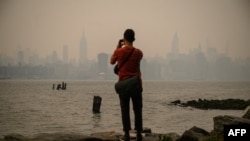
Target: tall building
point(102, 62)
point(54, 57)
point(1, 59)
point(20, 57)
point(83, 50)
point(65, 54)
point(175, 45)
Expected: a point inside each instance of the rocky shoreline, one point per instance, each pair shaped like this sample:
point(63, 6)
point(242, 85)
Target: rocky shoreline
point(226, 104)
point(193, 134)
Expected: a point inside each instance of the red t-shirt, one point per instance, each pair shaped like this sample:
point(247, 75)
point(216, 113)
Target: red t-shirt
point(131, 66)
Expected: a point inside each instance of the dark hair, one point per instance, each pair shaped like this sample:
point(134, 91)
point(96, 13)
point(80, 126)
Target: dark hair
point(129, 35)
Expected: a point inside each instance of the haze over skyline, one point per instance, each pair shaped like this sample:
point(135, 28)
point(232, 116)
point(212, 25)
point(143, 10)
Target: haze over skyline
point(44, 26)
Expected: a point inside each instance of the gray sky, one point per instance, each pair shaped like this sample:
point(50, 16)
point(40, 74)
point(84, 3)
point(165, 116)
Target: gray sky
point(47, 25)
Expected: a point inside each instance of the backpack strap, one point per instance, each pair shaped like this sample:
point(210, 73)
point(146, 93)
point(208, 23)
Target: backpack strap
point(126, 59)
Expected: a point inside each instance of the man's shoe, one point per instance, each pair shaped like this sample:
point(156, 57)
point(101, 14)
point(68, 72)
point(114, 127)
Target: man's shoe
point(126, 137)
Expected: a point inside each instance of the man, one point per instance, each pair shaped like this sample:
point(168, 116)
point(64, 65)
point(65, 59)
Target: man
point(129, 69)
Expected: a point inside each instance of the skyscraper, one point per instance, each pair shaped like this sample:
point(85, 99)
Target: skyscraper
point(65, 54)
point(54, 57)
point(102, 62)
point(175, 45)
point(20, 56)
point(83, 50)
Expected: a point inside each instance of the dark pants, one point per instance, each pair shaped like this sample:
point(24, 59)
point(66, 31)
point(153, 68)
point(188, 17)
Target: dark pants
point(136, 96)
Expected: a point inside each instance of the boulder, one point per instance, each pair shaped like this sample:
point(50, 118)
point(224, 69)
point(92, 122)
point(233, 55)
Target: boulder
point(107, 136)
point(247, 113)
point(194, 134)
point(220, 121)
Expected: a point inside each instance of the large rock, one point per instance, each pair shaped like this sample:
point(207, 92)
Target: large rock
point(247, 113)
point(107, 136)
point(220, 121)
point(194, 134)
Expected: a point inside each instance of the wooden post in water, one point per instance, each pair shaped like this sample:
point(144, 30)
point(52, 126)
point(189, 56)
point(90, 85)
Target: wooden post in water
point(58, 86)
point(64, 85)
point(53, 87)
point(97, 104)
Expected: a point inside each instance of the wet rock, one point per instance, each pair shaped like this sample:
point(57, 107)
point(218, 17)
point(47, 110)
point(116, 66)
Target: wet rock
point(176, 102)
point(232, 104)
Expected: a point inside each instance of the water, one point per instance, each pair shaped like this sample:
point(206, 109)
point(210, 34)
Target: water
point(29, 107)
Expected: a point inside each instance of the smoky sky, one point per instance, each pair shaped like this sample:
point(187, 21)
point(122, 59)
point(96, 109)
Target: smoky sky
point(44, 26)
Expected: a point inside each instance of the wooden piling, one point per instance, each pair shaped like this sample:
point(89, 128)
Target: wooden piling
point(97, 104)
point(64, 85)
point(58, 86)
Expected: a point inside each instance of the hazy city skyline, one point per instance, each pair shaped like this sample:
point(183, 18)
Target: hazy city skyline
point(47, 26)
point(197, 64)
point(27, 56)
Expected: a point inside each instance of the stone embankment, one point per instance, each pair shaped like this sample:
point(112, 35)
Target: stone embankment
point(193, 134)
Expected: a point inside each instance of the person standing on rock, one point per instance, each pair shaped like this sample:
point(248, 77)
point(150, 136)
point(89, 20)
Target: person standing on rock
point(129, 69)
